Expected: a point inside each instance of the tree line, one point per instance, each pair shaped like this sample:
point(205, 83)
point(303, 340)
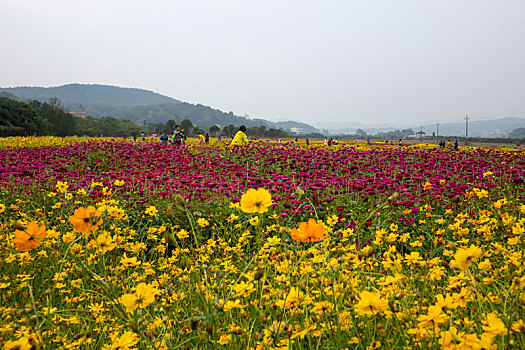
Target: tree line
point(50, 118)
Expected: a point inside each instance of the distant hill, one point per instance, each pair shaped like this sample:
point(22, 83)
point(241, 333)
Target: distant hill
point(73, 95)
point(141, 106)
point(9, 96)
point(500, 127)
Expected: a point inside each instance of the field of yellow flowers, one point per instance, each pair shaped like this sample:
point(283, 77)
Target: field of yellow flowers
point(111, 244)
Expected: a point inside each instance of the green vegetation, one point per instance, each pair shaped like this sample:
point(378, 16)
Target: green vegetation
point(18, 118)
point(141, 107)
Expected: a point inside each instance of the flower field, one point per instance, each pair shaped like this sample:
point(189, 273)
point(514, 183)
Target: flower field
point(135, 245)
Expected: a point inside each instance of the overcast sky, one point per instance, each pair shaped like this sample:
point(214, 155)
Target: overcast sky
point(366, 61)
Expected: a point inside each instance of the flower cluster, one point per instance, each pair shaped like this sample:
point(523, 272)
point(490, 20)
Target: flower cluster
point(273, 246)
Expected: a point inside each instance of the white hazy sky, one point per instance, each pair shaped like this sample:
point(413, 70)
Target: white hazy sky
point(369, 61)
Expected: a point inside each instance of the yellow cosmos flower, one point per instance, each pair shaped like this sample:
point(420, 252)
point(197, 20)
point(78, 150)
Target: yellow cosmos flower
point(309, 232)
point(322, 307)
point(229, 305)
point(433, 317)
point(126, 341)
point(104, 243)
point(225, 339)
point(119, 183)
point(256, 201)
point(232, 218)
point(62, 186)
point(182, 234)
point(202, 222)
point(465, 257)
point(244, 289)
point(370, 303)
point(494, 326)
point(30, 238)
point(151, 211)
point(143, 296)
point(127, 262)
point(254, 221)
point(332, 220)
point(294, 298)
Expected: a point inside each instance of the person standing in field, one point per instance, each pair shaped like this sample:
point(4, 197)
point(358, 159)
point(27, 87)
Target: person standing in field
point(177, 136)
point(164, 139)
point(206, 138)
point(201, 139)
point(240, 138)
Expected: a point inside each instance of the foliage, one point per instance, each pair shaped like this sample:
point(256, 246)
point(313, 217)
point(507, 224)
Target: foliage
point(58, 122)
point(18, 118)
point(187, 126)
point(140, 106)
point(518, 132)
point(396, 134)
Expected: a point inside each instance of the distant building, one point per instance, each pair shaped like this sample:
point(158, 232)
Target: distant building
point(296, 130)
point(78, 114)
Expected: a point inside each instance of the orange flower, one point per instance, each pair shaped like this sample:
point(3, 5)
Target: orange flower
point(427, 186)
point(30, 238)
point(86, 219)
point(309, 232)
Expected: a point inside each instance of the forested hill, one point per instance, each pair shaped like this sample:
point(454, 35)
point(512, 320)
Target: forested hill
point(141, 106)
point(74, 95)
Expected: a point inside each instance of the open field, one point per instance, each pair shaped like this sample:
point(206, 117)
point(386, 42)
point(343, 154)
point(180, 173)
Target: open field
point(134, 245)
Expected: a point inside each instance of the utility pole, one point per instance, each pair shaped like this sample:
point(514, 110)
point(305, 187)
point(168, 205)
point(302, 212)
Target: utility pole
point(466, 130)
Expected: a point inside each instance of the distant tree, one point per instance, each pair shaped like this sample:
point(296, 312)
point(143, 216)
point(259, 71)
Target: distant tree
point(519, 132)
point(187, 126)
point(160, 128)
point(360, 132)
point(214, 130)
point(407, 132)
point(170, 126)
point(18, 118)
point(58, 122)
point(229, 130)
point(55, 102)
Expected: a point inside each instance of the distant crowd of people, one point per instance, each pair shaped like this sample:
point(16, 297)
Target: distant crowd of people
point(178, 138)
point(448, 144)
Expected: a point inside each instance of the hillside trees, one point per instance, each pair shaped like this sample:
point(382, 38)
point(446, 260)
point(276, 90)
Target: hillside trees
point(58, 122)
point(170, 126)
point(214, 130)
point(229, 130)
point(518, 132)
point(18, 118)
point(187, 126)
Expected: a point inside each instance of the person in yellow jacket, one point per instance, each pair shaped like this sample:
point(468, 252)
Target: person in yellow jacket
point(240, 137)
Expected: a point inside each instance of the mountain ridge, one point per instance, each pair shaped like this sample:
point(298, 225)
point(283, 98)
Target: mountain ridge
point(141, 106)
